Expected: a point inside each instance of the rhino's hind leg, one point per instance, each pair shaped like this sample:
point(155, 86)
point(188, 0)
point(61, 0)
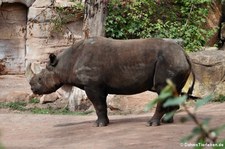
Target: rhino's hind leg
point(162, 73)
point(98, 99)
point(159, 112)
point(168, 110)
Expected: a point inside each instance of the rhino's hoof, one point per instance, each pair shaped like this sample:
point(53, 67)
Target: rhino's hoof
point(154, 122)
point(102, 123)
point(167, 121)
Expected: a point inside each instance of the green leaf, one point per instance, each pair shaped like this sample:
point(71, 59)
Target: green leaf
point(164, 95)
point(205, 123)
point(220, 145)
point(175, 101)
point(151, 104)
point(219, 129)
point(169, 115)
point(199, 146)
point(203, 101)
point(197, 130)
point(187, 138)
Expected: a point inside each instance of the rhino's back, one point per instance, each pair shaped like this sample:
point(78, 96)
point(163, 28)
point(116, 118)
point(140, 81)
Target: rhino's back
point(123, 66)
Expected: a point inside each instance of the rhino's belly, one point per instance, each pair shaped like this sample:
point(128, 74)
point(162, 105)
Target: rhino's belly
point(129, 84)
point(127, 90)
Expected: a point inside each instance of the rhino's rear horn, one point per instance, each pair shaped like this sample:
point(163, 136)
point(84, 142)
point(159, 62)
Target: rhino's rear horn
point(53, 60)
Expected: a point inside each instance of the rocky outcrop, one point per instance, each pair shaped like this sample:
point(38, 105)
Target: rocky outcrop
point(27, 3)
point(209, 68)
point(42, 37)
point(28, 33)
point(12, 38)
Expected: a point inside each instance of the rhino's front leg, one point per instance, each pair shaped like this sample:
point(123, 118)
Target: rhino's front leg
point(98, 99)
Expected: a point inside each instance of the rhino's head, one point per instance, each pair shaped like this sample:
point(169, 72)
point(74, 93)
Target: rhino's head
point(46, 80)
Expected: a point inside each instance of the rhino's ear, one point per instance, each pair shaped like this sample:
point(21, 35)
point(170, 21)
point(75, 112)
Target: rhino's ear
point(53, 60)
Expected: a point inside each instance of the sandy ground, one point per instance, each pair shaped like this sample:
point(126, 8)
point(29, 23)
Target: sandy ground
point(29, 131)
point(13, 87)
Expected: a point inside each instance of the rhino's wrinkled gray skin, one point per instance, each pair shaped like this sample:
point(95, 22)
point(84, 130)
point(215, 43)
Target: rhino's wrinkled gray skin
point(102, 66)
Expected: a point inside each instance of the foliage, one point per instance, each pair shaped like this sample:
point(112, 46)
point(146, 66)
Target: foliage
point(167, 19)
point(22, 106)
point(219, 98)
point(34, 100)
point(17, 105)
point(66, 15)
point(202, 131)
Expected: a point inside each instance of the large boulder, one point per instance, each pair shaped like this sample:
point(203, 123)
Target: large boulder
point(209, 68)
point(28, 3)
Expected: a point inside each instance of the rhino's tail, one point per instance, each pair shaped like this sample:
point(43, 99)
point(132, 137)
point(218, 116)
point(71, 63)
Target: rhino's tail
point(190, 88)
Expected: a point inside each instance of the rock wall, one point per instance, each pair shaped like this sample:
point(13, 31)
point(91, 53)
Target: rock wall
point(12, 38)
point(27, 33)
point(41, 39)
point(209, 68)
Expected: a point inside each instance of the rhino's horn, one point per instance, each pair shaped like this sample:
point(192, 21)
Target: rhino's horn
point(29, 73)
point(32, 69)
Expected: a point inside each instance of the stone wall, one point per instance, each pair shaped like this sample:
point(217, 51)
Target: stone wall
point(27, 32)
point(12, 37)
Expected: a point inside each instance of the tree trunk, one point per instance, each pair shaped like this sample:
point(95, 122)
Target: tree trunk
point(94, 21)
point(95, 16)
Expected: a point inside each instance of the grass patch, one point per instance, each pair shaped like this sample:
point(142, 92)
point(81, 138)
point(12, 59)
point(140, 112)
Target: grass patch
point(50, 110)
point(22, 106)
point(34, 100)
point(17, 105)
point(220, 98)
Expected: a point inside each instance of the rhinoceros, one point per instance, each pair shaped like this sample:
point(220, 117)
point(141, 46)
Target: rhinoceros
point(102, 66)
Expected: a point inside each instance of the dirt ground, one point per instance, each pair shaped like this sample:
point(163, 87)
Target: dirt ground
point(13, 87)
point(29, 131)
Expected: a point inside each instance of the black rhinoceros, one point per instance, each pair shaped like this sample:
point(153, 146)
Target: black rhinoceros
point(102, 66)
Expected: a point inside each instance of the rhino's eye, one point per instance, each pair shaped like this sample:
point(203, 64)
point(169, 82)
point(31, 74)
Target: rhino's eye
point(39, 79)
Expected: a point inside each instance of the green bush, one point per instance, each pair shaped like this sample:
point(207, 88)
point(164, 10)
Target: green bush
point(168, 19)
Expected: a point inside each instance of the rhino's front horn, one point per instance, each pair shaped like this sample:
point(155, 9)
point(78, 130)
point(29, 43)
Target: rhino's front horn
point(32, 69)
point(29, 73)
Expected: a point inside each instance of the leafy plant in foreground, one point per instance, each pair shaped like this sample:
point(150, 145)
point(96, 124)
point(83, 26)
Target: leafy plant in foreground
point(204, 134)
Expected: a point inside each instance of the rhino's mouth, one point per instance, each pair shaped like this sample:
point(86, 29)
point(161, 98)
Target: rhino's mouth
point(35, 91)
point(43, 90)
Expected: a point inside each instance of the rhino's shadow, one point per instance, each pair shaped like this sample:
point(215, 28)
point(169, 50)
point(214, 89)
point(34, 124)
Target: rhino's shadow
point(75, 123)
point(113, 121)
